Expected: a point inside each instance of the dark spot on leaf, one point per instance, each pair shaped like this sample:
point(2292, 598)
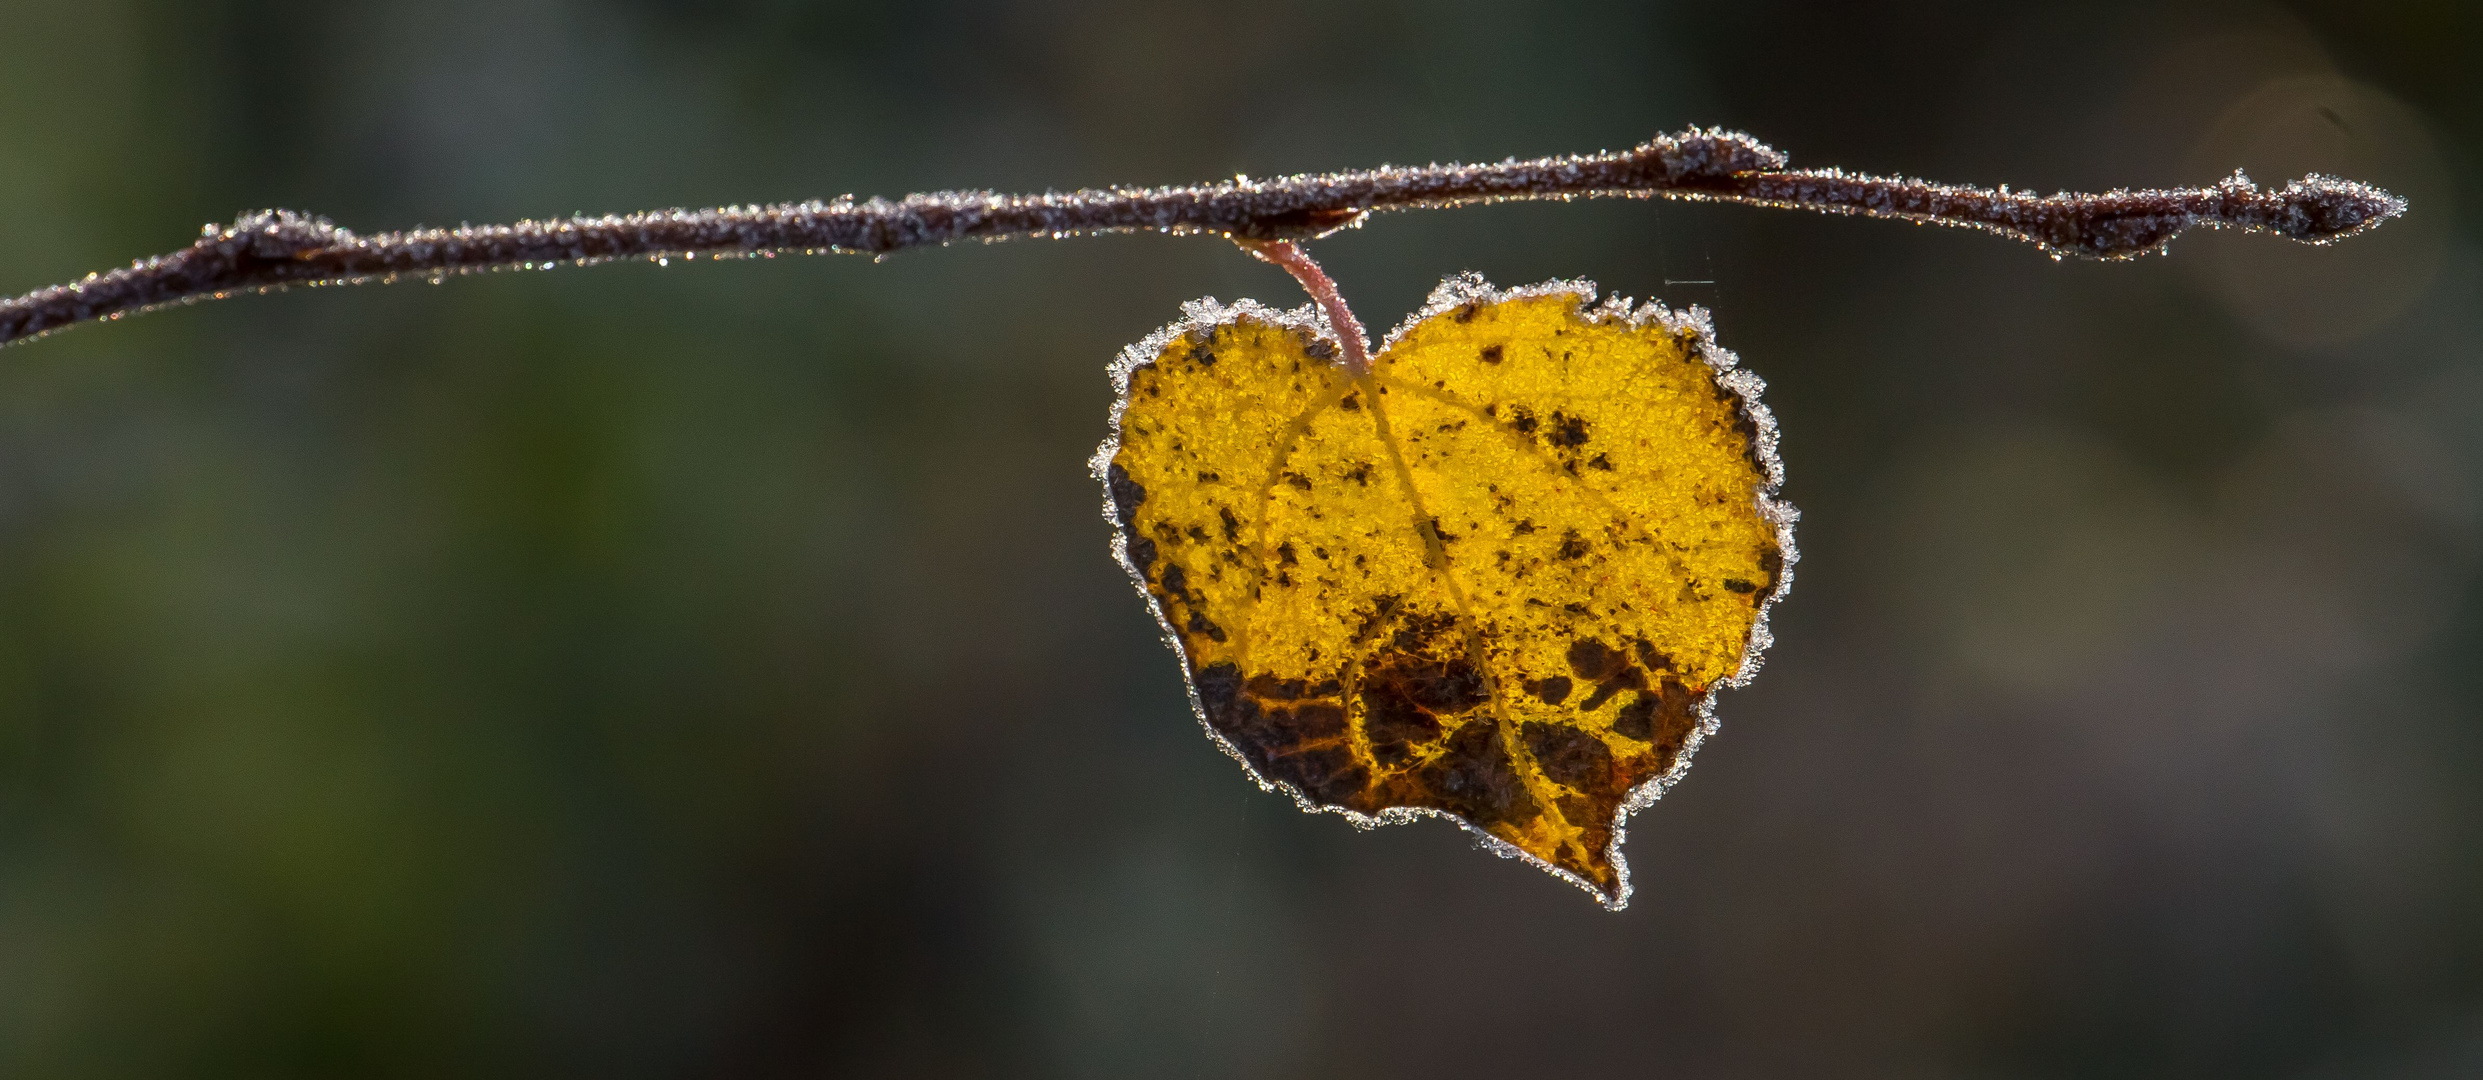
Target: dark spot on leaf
point(1465, 313)
point(1141, 554)
point(1599, 461)
point(1523, 527)
point(1405, 698)
point(1593, 660)
point(1205, 358)
point(1664, 716)
point(1522, 419)
point(1628, 679)
point(1219, 690)
point(1200, 624)
point(1284, 555)
point(1299, 481)
point(1232, 525)
point(1395, 724)
point(1772, 562)
point(1176, 583)
point(1205, 477)
point(1553, 691)
point(1476, 780)
point(1304, 747)
point(1637, 719)
point(1319, 348)
point(1567, 431)
point(1491, 354)
point(1351, 402)
point(1361, 473)
point(1571, 546)
point(1274, 689)
point(1570, 756)
point(1326, 774)
point(1198, 535)
point(1740, 586)
point(1126, 493)
point(1449, 688)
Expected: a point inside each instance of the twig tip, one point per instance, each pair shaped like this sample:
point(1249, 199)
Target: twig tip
point(2332, 208)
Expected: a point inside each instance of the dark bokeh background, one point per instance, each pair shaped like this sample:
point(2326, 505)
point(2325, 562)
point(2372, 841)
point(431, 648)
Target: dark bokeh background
point(717, 670)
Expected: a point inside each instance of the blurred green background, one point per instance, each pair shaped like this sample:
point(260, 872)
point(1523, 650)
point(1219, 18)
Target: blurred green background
point(717, 670)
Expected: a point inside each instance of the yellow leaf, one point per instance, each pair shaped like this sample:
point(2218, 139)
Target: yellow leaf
point(1498, 578)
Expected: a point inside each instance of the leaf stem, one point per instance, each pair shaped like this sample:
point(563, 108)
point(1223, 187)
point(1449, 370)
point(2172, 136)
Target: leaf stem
point(276, 249)
point(1322, 290)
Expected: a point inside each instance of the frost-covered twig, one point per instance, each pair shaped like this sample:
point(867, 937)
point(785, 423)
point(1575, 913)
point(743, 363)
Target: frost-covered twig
point(279, 248)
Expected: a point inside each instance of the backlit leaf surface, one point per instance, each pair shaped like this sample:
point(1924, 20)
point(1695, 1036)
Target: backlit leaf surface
point(1499, 578)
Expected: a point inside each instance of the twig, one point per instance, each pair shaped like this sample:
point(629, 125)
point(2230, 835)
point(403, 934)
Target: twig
point(279, 248)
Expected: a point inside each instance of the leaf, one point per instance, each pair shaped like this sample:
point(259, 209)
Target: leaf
point(1497, 579)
